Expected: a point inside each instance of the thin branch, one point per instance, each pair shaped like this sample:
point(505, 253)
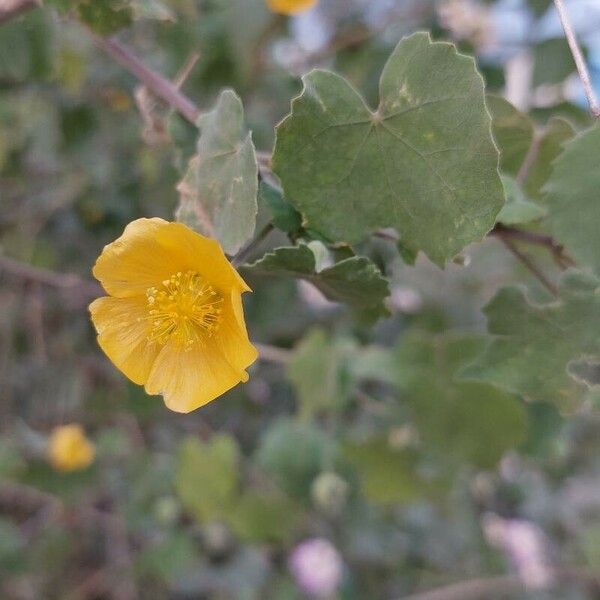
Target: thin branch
point(63, 281)
point(273, 354)
point(13, 8)
point(156, 83)
point(537, 239)
point(494, 587)
point(584, 74)
point(246, 252)
point(531, 266)
point(530, 158)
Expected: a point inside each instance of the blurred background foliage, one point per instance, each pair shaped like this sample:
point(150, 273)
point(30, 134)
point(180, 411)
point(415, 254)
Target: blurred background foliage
point(354, 433)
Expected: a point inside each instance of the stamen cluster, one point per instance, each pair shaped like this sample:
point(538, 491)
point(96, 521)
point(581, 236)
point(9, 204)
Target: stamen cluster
point(185, 308)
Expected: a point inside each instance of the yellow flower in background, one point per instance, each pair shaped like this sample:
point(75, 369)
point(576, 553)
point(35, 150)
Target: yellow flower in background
point(69, 449)
point(290, 7)
point(173, 320)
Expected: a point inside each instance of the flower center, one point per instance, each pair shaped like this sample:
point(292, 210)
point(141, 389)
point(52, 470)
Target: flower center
point(184, 307)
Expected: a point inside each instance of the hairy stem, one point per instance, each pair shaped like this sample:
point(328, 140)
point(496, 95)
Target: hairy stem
point(503, 586)
point(584, 73)
point(531, 266)
point(64, 281)
point(156, 83)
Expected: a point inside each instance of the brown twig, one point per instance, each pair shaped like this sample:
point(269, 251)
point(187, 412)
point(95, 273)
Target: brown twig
point(580, 63)
point(63, 281)
point(273, 354)
point(11, 10)
point(494, 587)
point(537, 239)
point(531, 266)
point(157, 84)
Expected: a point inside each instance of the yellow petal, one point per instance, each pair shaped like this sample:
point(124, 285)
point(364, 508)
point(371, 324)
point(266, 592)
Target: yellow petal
point(231, 338)
point(290, 7)
point(190, 378)
point(135, 261)
point(69, 449)
point(151, 250)
point(195, 252)
point(122, 334)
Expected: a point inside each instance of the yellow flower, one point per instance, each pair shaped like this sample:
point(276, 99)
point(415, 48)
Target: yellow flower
point(290, 7)
point(173, 320)
point(69, 449)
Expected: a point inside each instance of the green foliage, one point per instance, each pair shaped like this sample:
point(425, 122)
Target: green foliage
point(294, 453)
point(387, 474)
point(553, 62)
point(264, 517)
point(355, 281)
point(315, 372)
point(218, 192)
point(571, 196)
point(457, 421)
point(534, 344)
point(283, 215)
point(518, 209)
point(549, 146)
point(206, 476)
point(424, 162)
point(513, 132)
point(391, 439)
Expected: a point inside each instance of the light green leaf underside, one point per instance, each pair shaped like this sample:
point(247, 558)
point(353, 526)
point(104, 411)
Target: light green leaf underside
point(572, 195)
point(518, 209)
point(424, 163)
point(218, 192)
point(355, 281)
point(535, 344)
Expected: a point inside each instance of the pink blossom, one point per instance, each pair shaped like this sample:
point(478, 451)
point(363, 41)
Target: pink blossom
point(525, 545)
point(317, 567)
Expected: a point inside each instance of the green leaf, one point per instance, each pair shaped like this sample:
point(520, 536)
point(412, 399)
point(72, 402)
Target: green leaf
point(218, 192)
point(206, 476)
point(549, 147)
point(518, 209)
point(571, 194)
point(533, 345)
point(264, 517)
point(513, 132)
point(457, 421)
point(283, 214)
point(105, 17)
point(314, 369)
point(355, 281)
point(423, 163)
point(387, 474)
point(294, 453)
point(169, 557)
point(539, 7)
point(553, 62)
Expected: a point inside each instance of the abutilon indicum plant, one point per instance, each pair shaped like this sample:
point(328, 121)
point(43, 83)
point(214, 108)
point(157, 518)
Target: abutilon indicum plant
point(417, 365)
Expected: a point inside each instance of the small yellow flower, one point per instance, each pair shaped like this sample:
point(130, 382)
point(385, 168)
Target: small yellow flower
point(290, 7)
point(69, 449)
point(173, 320)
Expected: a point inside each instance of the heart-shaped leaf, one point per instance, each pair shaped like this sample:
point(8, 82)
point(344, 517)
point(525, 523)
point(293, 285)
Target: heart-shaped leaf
point(424, 162)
